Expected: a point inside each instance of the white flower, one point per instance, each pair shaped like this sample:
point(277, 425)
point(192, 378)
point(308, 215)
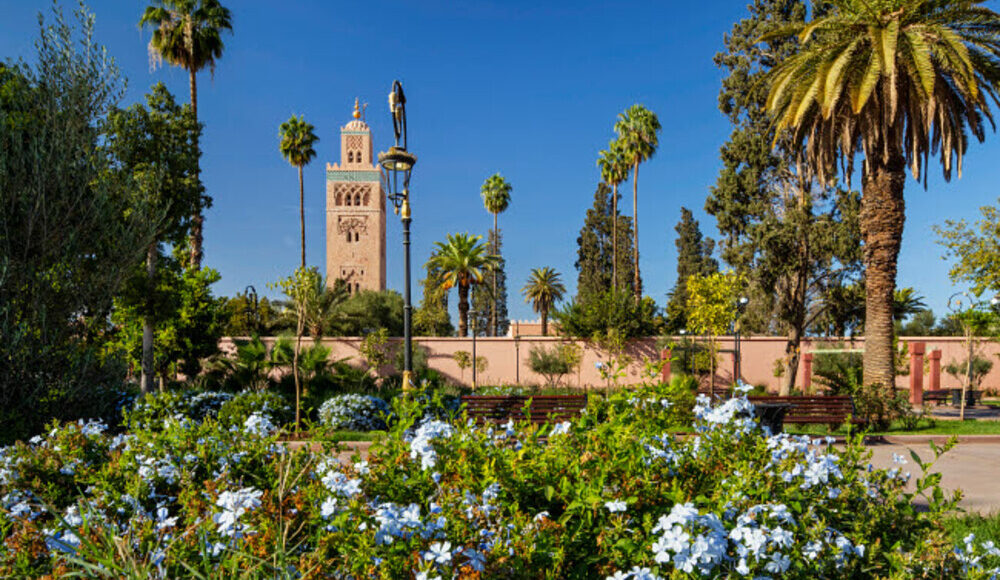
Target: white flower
point(439, 553)
point(560, 429)
point(616, 506)
point(258, 424)
point(234, 504)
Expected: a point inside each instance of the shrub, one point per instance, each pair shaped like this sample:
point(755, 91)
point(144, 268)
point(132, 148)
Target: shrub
point(960, 370)
point(550, 363)
point(237, 410)
point(608, 494)
point(355, 413)
point(838, 372)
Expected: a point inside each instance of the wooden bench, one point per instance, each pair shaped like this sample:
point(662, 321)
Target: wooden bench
point(937, 396)
point(829, 410)
point(542, 409)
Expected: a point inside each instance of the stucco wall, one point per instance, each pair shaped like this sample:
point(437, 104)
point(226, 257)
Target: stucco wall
point(508, 358)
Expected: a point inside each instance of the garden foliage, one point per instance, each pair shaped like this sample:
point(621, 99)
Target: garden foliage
point(610, 495)
point(355, 412)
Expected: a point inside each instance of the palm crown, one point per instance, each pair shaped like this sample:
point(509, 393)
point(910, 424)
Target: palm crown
point(188, 33)
point(462, 262)
point(543, 289)
point(889, 78)
point(297, 140)
point(638, 130)
point(496, 194)
point(613, 164)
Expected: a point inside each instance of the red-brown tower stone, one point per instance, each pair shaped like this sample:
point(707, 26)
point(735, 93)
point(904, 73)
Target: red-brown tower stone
point(355, 212)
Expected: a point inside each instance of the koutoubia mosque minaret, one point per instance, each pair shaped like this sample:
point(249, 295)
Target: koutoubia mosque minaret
point(355, 212)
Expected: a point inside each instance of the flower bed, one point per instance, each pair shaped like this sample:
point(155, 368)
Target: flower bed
point(354, 413)
point(610, 495)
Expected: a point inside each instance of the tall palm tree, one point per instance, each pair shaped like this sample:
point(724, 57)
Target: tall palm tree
point(896, 80)
point(188, 34)
point(543, 290)
point(496, 197)
point(638, 130)
point(463, 262)
point(296, 145)
point(614, 170)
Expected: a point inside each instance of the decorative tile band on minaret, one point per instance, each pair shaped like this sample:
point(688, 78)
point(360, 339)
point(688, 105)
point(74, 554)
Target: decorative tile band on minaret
point(355, 212)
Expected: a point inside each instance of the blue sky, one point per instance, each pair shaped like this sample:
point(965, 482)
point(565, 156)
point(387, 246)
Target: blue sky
point(529, 89)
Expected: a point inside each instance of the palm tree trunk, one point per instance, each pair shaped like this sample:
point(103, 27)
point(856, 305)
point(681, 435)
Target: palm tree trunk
point(295, 371)
point(545, 321)
point(463, 311)
point(614, 237)
point(148, 372)
point(197, 220)
point(636, 284)
point(882, 214)
point(493, 297)
point(302, 216)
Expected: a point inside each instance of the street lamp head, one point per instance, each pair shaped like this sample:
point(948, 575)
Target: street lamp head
point(744, 300)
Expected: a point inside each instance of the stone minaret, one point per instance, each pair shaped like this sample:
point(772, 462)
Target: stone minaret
point(355, 212)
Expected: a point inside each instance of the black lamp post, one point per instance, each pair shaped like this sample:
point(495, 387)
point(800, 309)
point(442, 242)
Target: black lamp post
point(253, 320)
point(741, 307)
point(397, 164)
point(473, 314)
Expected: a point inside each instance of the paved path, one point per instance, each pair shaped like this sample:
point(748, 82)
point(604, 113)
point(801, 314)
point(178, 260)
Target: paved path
point(972, 466)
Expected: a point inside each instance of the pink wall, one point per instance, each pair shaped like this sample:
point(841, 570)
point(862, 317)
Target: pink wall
point(508, 358)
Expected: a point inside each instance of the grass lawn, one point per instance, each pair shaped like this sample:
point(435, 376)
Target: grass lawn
point(985, 527)
point(345, 435)
point(924, 427)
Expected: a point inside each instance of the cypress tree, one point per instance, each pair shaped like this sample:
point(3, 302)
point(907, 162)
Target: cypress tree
point(694, 257)
point(594, 254)
point(482, 301)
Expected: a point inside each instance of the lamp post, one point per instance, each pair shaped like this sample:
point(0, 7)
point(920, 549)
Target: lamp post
point(741, 307)
point(397, 164)
point(253, 324)
point(473, 314)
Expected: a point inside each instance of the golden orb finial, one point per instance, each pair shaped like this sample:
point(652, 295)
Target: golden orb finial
point(357, 109)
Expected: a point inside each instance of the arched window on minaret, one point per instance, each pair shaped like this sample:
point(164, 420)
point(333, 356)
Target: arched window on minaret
point(357, 199)
point(356, 236)
point(350, 156)
point(348, 199)
point(348, 237)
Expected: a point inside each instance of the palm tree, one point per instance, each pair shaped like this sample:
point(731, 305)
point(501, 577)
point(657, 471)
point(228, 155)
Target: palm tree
point(297, 140)
point(496, 197)
point(614, 170)
point(543, 290)
point(637, 130)
point(188, 34)
point(463, 262)
point(895, 80)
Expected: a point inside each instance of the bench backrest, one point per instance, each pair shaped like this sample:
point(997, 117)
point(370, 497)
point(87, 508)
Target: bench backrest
point(819, 408)
point(543, 407)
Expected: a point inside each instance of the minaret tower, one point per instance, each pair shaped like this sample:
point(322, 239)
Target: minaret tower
point(355, 212)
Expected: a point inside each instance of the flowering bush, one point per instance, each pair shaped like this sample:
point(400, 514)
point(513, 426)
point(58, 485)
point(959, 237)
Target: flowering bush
point(354, 412)
point(604, 496)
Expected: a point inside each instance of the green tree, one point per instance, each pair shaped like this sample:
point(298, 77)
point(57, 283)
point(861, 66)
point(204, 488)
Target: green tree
point(793, 238)
point(712, 307)
point(610, 311)
point(543, 290)
point(595, 253)
point(483, 302)
point(188, 34)
point(158, 145)
point(694, 257)
point(897, 80)
point(974, 250)
point(463, 263)
point(376, 349)
point(638, 131)
point(496, 197)
point(186, 325)
point(431, 317)
point(297, 141)
point(614, 168)
point(367, 311)
point(71, 230)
